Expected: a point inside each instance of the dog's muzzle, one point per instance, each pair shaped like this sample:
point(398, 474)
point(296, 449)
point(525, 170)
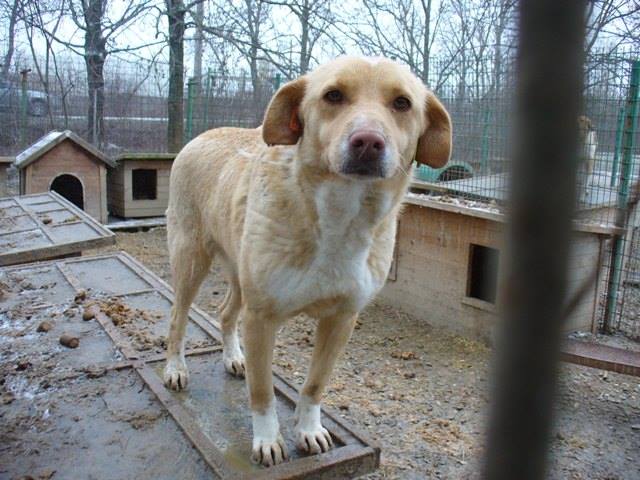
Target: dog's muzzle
point(366, 153)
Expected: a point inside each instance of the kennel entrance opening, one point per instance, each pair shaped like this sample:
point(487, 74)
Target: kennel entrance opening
point(144, 184)
point(70, 187)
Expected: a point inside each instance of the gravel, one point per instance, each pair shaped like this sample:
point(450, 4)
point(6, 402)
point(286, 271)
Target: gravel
point(421, 393)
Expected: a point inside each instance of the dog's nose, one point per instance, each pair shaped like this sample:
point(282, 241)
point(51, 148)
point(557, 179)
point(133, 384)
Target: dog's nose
point(367, 144)
point(366, 149)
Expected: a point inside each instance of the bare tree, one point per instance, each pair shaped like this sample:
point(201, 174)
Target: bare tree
point(404, 30)
point(45, 17)
point(100, 26)
point(475, 39)
point(90, 17)
point(612, 22)
point(246, 28)
point(11, 10)
point(175, 11)
point(198, 20)
point(504, 16)
point(315, 19)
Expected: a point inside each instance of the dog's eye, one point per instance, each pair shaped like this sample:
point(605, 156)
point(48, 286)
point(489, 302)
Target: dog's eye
point(334, 96)
point(402, 104)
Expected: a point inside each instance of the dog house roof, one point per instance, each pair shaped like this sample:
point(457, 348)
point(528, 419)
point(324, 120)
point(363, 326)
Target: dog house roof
point(50, 140)
point(145, 156)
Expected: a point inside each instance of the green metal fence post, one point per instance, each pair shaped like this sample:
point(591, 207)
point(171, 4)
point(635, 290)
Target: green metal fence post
point(207, 98)
point(277, 81)
point(23, 106)
point(630, 127)
point(191, 89)
point(484, 160)
point(618, 147)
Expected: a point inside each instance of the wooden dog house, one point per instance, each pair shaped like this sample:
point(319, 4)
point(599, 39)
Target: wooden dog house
point(67, 164)
point(139, 185)
point(5, 163)
point(448, 262)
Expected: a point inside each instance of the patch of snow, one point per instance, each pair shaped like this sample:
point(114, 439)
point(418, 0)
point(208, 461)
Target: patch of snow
point(491, 207)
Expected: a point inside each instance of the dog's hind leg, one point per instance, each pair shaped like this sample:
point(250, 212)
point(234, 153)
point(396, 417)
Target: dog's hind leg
point(332, 335)
point(232, 355)
point(189, 265)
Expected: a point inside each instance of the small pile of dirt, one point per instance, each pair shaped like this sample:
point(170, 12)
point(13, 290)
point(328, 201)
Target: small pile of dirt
point(121, 314)
point(446, 435)
point(135, 323)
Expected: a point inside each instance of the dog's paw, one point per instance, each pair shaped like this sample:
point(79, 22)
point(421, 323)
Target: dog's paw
point(176, 374)
point(311, 436)
point(234, 363)
point(314, 441)
point(268, 452)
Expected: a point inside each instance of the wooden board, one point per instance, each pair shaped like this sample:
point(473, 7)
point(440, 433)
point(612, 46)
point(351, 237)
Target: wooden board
point(92, 388)
point(46, 225)
point(602, 357)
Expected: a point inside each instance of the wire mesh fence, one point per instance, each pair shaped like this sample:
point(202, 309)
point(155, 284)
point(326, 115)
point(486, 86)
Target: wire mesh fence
point(477, 92)
point(135, 105)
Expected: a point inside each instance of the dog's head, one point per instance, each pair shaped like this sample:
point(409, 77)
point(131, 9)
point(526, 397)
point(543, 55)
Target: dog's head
point(585, 125)
point(360, 118)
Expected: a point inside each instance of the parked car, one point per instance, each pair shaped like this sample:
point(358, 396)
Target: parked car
point(10, 95)
point(452, 171)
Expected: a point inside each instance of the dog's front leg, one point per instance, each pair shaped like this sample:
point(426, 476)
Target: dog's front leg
point(332, 335)
point(259, 338)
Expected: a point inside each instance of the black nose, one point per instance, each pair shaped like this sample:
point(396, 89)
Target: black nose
point(366, 151)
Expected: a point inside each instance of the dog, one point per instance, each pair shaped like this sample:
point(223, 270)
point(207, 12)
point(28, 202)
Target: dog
point(301, 213)
point(588, 144)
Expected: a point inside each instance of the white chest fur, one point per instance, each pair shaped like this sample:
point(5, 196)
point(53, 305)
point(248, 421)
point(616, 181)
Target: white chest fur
point(347, 214)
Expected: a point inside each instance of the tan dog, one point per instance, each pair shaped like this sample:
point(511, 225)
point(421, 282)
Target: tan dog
point(588, 144)
point(302, 216)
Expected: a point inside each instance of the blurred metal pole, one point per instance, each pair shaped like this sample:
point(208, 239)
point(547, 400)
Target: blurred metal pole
point(549, 83)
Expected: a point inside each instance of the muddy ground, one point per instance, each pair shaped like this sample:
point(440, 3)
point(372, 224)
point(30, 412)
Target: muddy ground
point(422, 393)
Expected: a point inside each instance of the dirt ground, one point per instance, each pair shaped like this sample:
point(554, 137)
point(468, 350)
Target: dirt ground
point(421, 393)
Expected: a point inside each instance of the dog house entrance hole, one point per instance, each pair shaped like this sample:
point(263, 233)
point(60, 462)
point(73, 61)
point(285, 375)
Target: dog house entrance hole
point(70, 188)
point(144, 184)
point(483, 273)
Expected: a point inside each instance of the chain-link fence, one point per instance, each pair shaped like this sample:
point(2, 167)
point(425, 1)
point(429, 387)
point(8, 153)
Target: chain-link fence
point(477, 92)
point(135, 105)
point(621, 305)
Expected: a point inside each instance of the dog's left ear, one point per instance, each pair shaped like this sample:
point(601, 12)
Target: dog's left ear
point(282, 125)
point(434, 146)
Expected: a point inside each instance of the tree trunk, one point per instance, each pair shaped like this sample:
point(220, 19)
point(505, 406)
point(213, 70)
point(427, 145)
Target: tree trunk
point(175, 104)
point(199, 40)
point(254, 16)
point(13, 19)
point(95, 55)
point(304, 40)
point(426, 45)
point(501, 25)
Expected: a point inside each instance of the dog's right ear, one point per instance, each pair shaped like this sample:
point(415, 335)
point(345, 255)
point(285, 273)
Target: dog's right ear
point(282, 124)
